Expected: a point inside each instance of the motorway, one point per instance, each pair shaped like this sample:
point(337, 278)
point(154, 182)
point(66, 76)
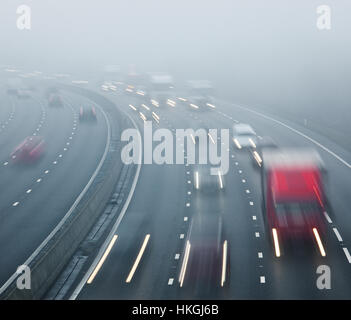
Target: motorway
point(145, 258)
point(163, 247)
point(35, 197)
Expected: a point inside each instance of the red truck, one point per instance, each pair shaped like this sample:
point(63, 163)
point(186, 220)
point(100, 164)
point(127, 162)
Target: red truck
point(29, 151)
point(294, 197)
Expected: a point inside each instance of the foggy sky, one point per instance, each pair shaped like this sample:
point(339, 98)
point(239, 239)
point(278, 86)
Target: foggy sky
point(261, 49)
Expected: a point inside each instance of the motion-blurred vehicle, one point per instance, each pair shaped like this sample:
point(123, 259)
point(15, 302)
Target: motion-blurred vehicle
point(55, 101)
point(244, 136)
point(207, 182)
point(105, 87)
point(130, 89)
point(200, 95)
point(265, 143)
point(205, 263)
point(87, 114)
point(161, 90)
point(294, 197)
point(29, 151)
point(142, 93)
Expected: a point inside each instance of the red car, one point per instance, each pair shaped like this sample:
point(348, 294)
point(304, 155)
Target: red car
point(30, 150)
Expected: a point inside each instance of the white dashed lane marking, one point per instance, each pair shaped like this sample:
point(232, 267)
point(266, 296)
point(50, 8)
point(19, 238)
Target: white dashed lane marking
point(347, 254)
point(46, 171)
point(337, 234)
point(327, 217)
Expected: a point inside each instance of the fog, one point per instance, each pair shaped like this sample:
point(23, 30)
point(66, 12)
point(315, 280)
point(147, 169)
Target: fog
point(255, 51)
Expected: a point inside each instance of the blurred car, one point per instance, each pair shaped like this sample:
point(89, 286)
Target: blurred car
point(205, 263)
point(198, 103)
point(55, 101)
point(206, 182)
point(105, 87)
point(30, 150)
point(141, 92)
point(200, 95)
point(87, 114)
point(129, 89)
point(244, 136)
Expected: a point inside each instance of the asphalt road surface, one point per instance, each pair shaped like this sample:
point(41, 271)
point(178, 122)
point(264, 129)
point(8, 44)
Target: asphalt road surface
point(150, 253)
point(35, 197)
